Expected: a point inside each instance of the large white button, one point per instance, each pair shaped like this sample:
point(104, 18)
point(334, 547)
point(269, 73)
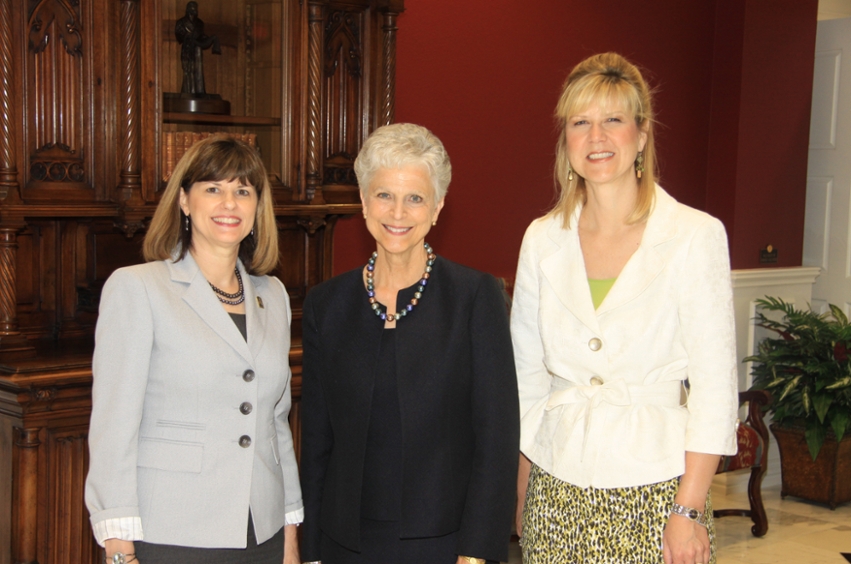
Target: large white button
point(596, 381)
point(595, 344)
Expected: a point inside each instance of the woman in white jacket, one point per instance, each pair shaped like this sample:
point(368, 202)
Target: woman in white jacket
point(623, 336)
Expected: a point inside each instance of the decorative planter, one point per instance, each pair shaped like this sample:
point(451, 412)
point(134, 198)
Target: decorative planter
point(827, 479)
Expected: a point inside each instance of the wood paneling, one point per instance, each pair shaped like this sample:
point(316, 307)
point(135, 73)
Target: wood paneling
point(67, 515)
point(81, 122)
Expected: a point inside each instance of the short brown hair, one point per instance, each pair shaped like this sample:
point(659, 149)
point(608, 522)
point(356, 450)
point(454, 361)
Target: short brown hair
point(607, 77)
point(216, 158)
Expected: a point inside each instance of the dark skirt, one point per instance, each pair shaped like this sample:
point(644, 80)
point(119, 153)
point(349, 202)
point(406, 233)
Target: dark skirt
point(380, 544)
point(270, 552)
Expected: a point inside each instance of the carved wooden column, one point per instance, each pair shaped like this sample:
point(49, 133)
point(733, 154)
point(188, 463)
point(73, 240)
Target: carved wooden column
point(8, 412)
point(67, 451)
point(387, 111)
point(11, 340)
point(25, 503)
point(8, 280)
point(10, 337)
point(9, 188)
point(314, 230)
point(130, 183)
point(328, 246)
point(316, 22)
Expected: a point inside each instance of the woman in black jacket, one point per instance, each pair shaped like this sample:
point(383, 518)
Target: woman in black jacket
point(410, 412)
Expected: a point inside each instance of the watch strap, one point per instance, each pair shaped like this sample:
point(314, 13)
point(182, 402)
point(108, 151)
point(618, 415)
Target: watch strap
point(689, 513)
point(119, 558)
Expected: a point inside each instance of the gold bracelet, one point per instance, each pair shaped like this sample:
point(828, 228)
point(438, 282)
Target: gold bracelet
point(472, 560)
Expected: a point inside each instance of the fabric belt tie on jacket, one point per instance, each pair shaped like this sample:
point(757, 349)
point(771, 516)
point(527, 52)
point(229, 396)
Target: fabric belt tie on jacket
point(617, 392)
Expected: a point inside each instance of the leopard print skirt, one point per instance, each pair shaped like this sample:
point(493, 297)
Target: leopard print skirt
point(565, 524)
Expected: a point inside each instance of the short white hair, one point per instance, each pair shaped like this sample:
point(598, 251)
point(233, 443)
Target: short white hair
point(404, 144)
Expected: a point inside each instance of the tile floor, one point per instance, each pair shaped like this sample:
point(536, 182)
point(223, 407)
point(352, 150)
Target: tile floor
point(799, 532)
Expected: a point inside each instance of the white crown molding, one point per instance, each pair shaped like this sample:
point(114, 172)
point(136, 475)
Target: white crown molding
point(767, 277)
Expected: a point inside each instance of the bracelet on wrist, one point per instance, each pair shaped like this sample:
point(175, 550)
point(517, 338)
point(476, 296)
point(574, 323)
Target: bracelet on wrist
point(689, 513)
point(119, 558)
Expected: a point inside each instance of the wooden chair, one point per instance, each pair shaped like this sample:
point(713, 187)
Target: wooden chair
point(752, 438)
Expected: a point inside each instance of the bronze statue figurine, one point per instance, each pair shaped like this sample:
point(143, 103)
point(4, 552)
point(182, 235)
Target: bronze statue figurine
point(193, 97)
point(189, 31)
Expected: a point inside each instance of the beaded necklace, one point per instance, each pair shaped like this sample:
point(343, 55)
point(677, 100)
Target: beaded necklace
point(370, 287)
point(231, 299)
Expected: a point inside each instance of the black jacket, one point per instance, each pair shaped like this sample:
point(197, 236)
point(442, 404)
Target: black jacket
point(458, 401)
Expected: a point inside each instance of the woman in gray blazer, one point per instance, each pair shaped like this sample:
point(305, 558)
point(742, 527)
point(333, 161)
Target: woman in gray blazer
point(191, 455)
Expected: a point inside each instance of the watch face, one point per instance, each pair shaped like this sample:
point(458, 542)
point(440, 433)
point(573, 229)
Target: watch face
point(693, 514)
point(118, 558)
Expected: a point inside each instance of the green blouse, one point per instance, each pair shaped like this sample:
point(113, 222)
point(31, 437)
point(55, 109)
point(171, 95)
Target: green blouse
point(600, 289)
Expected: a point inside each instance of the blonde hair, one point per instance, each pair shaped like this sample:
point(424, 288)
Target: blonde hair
point(404, 144)
point(216, 158)
point(610, 79)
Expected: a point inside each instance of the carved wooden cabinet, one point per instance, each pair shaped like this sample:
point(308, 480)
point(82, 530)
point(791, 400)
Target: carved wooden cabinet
point(84, 153)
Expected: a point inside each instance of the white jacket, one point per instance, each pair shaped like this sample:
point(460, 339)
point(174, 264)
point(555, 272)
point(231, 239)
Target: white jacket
point(600, 391)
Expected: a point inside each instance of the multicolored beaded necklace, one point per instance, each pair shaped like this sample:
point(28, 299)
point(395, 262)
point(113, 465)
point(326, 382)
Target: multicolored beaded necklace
point(370, 287)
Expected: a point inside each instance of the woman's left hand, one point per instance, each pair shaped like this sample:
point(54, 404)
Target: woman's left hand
point(685, 542)
point(291, 554)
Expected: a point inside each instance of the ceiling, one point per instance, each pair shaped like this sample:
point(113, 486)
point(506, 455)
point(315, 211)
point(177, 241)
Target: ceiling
point(833, 9)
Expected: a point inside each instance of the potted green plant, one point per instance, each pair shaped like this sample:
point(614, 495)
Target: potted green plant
point(807, 368)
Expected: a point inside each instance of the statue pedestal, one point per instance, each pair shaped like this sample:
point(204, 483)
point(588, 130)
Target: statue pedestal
point(195, 103)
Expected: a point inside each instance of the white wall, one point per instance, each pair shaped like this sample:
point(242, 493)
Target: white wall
point(794, 285)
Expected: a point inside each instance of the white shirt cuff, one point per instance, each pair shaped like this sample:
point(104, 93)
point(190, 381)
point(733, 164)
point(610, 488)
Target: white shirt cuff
point(294, 517)
point(121, 528)
point(130, 528)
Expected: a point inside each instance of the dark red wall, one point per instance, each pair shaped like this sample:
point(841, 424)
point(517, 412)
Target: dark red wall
point(758, 165)
point(485, 76)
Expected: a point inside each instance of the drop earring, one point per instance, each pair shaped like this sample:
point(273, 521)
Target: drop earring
point(187, 223)
point(639, 164)
point(569, 173)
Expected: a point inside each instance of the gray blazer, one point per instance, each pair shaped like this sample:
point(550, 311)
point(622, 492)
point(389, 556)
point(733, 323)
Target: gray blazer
point(189, 422)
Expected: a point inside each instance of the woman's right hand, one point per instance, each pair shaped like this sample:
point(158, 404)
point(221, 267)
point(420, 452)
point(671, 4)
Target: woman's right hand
point(518, 519)
point(523, 470)
point(116, 545)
